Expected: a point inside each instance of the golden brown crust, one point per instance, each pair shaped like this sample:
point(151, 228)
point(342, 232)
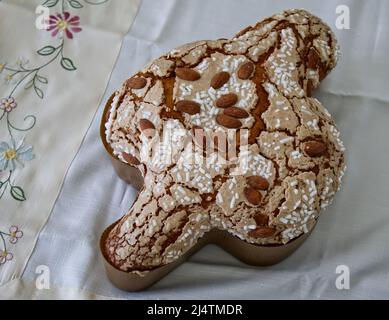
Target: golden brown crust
point(269, 71)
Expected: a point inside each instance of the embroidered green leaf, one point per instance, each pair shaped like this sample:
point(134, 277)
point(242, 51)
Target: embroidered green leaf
point(38, 92)
point(46, 51)
point(67, 64)
point(29, 84)
point(17, 193)
point(75, 4)
point(50, 3)
point(42, 79)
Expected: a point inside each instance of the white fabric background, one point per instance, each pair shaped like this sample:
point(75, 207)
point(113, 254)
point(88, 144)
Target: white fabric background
point(354, 231)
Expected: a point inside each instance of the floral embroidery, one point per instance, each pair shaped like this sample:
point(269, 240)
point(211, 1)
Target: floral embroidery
point(13, 155)
point(8, 104)
point(5, 256)
point(13, 236)
point(63, 26)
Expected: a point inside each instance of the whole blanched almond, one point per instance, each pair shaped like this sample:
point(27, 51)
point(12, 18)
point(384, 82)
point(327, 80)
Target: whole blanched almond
point(262, 232)
point(228, 122)
point(227, 100)
point(188, 106)
point(136, 82)
point(246, 70)
point(315, 148)
point(147, 128)
point(236, 112)
point(220, 79)
point(130, 159)
point(261, 219)
point(258, 182)
point(188, 74)
point(145, 124)
point(253, 196)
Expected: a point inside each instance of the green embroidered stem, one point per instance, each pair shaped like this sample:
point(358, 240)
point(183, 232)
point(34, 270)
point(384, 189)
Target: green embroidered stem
point(35, 71)
point(16, 192)
point(4, 184)
point(32, 77)
point(10, 125)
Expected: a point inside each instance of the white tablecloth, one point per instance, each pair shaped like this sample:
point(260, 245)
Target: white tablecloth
point(354, 231)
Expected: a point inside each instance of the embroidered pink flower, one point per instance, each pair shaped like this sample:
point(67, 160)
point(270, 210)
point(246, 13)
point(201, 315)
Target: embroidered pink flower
point(5, 256)
point(64, 24)
point(15, 234)
point(8, 104)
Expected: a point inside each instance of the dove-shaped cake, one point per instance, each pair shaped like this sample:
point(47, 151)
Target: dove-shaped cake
point(227, 146)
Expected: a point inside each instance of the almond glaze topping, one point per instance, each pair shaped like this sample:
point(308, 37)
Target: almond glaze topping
point(227, 100)
point(246, 70)
point(145, 124)
point(236, 112)
point(253, 196)
point(228, 122)
point(188, 74)
point(136, 82)
point(220, 79)
point(188, 106)
point(130, 159)
point(258, 182)
point(315, 148)
point(147, 127)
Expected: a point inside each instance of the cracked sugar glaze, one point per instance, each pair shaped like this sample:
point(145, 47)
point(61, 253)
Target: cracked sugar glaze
point(178, 119)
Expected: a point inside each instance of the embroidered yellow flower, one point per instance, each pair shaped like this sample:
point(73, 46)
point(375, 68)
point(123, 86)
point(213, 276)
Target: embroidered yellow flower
point(10, 154)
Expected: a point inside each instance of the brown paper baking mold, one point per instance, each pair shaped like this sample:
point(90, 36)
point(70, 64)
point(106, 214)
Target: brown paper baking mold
point(135, 281)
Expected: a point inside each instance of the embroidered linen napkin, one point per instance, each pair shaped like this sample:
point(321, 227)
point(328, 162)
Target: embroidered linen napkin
point(56, 57)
